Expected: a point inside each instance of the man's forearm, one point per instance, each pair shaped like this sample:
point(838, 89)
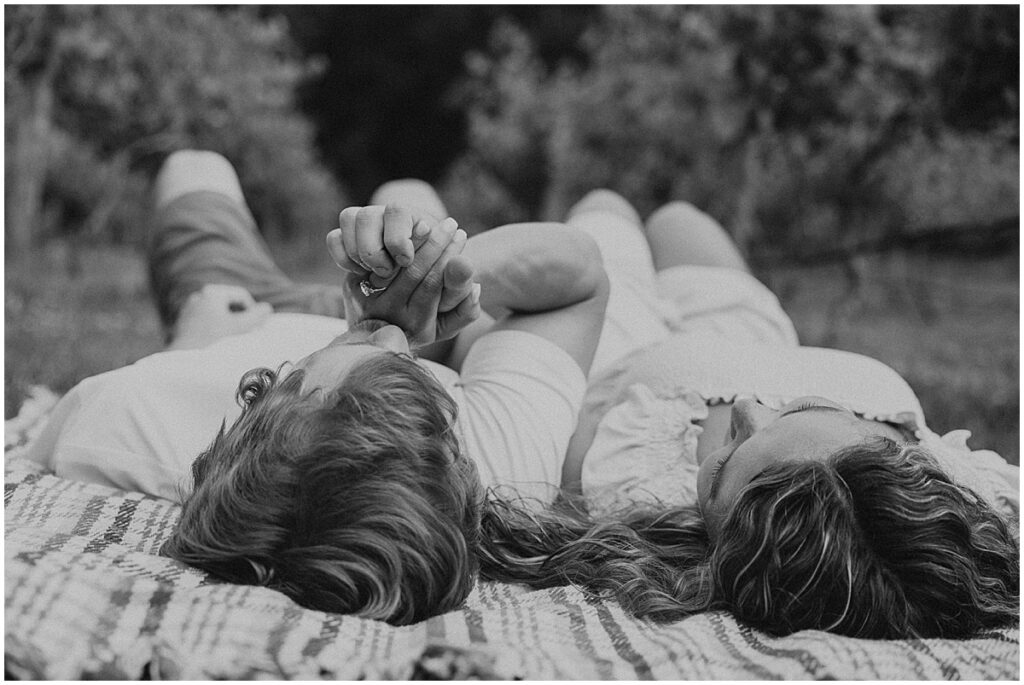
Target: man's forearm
point(534, 267)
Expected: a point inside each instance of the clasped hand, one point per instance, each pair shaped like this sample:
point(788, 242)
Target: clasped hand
point(429, 289)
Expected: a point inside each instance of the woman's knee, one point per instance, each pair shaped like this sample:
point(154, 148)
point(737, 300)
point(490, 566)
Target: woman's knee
point(413, 193)
point(679, 233)
point(604, 200)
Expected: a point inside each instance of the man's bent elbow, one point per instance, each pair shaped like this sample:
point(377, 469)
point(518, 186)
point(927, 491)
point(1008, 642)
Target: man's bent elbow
point(583, 273)
point(592, 275)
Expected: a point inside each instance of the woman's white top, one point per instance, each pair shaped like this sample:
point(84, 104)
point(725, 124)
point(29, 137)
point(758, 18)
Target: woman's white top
point(652, 401)
point(679, 340)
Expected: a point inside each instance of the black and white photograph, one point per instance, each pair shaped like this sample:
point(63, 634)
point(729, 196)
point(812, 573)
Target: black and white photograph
point(512, 342)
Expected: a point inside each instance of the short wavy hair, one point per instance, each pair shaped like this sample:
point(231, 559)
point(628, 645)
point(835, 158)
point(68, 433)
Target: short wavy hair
point(354, 501)
point(876, 541)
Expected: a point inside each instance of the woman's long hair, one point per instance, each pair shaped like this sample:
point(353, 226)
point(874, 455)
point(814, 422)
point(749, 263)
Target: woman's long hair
point(357, 501)
point(874, 542)
point(653, 561)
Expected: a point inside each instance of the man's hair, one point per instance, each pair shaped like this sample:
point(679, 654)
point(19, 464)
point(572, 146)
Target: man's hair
point(357, 500)
point(874, 542)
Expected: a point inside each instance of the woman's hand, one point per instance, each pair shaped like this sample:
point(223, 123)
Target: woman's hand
point(378, 239)
point(428, 290)
point(214, 312)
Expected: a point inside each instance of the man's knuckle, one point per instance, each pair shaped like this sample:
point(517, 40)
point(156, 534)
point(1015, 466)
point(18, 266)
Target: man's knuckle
point(414, 273)
point(433, 281)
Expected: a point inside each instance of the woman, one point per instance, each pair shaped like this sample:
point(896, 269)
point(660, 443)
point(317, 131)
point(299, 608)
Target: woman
point(717, 477)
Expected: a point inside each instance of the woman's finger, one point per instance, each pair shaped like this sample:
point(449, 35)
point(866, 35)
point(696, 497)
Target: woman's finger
point(347, 224)
point(421, 231)
point(336, 249)
point(398, 232)
point(370, 241)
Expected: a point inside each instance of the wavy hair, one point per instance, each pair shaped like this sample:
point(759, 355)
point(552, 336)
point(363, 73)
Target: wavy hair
point(874, 542)
point(358, 500)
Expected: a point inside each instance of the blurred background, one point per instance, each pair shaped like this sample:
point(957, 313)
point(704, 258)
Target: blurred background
point(866, 158)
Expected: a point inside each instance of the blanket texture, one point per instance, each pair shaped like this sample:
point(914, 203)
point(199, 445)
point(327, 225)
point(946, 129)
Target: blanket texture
point(87, 596)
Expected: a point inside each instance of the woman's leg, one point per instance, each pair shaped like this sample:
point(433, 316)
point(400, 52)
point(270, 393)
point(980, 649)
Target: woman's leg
point(680, 234)
point(633, 318)
point(712, 291)
point(204, 233)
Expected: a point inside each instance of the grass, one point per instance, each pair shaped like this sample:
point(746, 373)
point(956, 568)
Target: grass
point(950, 326)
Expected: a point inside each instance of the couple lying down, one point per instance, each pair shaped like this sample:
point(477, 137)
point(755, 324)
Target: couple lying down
point(608, 402)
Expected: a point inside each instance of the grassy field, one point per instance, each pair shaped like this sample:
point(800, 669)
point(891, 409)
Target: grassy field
point(949, 325)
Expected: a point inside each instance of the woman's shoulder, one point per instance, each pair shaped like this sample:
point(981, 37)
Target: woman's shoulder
point(722, 370)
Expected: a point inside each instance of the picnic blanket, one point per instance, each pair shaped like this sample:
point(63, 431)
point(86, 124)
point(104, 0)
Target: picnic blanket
point(88, 596)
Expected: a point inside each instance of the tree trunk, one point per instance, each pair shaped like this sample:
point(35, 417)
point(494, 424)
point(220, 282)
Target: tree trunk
point(26, 168)
point(745, 225)
point(556, 198)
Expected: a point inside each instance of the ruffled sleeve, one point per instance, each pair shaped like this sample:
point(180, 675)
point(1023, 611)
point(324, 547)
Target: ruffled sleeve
point(645, 450)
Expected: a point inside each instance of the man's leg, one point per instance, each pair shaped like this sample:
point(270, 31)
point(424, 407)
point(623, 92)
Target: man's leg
point(412, 193)
point(204, 233)
point(680, 234)
point(611, 221)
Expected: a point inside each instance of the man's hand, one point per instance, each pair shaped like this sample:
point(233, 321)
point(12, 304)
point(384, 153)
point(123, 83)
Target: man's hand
point(214, 312)
point(429, 290)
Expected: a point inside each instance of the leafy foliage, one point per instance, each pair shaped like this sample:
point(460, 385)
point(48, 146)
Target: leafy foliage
point(782, 121)
point(97, 94)
point(381, 104)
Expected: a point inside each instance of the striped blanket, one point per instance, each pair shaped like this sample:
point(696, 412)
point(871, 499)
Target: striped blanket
point(87, 596)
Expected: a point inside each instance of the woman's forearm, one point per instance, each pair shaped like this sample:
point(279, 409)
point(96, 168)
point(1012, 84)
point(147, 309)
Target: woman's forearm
point(534, 267)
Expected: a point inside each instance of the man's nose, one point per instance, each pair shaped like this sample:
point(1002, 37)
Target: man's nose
point(391, 338)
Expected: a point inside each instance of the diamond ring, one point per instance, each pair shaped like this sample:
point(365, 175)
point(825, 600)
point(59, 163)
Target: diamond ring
point(367, 288)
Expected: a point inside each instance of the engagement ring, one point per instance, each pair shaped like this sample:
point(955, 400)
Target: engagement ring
point(368, 289)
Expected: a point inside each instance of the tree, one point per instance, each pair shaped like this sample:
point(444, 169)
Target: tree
point(775, 119)
point(382, 103)
point(979, 79)
point(97, 94)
